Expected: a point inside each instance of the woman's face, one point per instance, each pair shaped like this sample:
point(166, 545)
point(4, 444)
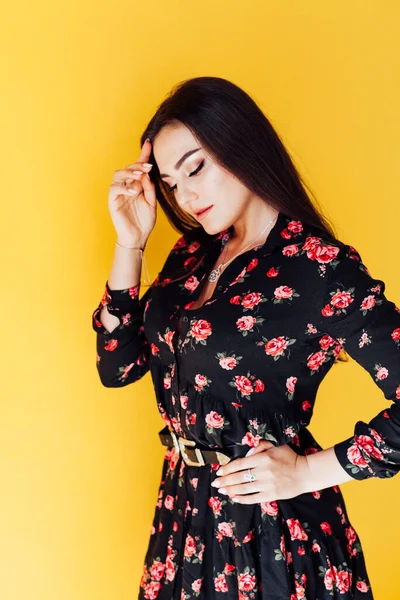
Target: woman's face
point(197, 181)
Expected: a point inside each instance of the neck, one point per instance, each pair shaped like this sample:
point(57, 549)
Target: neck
point(243, 234)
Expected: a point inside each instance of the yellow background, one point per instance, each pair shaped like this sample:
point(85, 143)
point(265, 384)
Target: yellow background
point(79, 463)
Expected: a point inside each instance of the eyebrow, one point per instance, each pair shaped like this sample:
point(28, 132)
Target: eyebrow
point(180, 161)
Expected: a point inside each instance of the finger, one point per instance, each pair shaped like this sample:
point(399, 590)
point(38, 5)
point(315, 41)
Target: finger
point(251, 498)
point(121, 189)
point(145, 152)
point(239, 464)
point(242, 488)
point(149, 190)
point(261, 447)
point(237, 477)
point(123, 174)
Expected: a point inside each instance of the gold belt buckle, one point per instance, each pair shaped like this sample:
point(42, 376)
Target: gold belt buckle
point(179, 445)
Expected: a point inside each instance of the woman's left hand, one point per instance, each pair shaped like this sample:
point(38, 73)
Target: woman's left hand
point(280, 474)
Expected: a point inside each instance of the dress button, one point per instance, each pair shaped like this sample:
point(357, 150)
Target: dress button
point(184, 319)
point(220, 287)
point(179, 511)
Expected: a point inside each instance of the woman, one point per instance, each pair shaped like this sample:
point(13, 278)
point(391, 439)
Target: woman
point(255, 302)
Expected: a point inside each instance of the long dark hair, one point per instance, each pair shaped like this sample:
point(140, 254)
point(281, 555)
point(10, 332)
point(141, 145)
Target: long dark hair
point(235, 132)
point(232, 129)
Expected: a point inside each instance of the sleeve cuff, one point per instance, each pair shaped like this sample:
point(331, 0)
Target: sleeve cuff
point(352, 458)
point(123, 304)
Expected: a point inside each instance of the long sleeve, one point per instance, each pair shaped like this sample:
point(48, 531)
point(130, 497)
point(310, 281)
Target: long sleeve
point(355, 310)
point(123, 354)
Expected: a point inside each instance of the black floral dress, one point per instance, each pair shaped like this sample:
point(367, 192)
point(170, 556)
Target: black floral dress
point(246, 366)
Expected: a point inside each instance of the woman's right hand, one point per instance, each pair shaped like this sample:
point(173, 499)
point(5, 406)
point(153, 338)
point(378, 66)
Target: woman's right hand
point(132, 201)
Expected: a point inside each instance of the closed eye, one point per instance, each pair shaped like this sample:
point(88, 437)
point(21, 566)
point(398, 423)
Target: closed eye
point(201, 165)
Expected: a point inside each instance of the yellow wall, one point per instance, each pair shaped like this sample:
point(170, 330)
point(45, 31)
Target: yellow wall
point(79, 463)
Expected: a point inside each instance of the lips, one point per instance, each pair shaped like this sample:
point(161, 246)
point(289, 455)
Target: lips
point(203, 211)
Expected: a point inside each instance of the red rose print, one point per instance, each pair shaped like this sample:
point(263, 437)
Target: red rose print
point(316, 360)
point(341, 300)
point(251, 300)
point(355, 457)
point(328, 311)
point(272, 272)
point(296, 530)
point(201, 329)
point(276, 346)
point(295, 226)
point(326, 527)
point(243, 384)
point(111, 346)
point(367, 443)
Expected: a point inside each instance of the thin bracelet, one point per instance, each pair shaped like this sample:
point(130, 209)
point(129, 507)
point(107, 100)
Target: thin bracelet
point(148, 282)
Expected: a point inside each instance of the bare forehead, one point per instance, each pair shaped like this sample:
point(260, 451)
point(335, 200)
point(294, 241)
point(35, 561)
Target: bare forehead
point(172, 147)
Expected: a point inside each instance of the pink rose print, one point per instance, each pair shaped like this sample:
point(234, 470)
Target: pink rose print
point(251, 440)
point(191, 283)
point(227, 362)
point(270, 508)
point(193, 247)
point(245, 323)
point(220, 583)
point(290, 386)
point(290, 250)
point(283, 291)
point(368, 303)
point(246, 582)
point(225, 529)
point(244, 385)
point(214, 420)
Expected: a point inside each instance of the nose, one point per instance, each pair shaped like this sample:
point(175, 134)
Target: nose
point(186, 195)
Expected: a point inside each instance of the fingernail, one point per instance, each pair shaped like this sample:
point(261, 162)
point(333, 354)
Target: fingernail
point(147, 165)
point(130, 191)
point(138, 172)
point(147, 140)
point(219, 472)
point(251, 451)
point(222, 490)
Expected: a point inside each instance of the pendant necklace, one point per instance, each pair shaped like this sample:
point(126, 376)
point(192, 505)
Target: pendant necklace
point(215, 273)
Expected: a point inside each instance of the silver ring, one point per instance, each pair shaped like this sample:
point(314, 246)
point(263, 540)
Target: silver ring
point(248, 476)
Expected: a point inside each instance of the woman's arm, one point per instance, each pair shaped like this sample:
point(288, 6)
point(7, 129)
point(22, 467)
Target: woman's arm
point(355, 311)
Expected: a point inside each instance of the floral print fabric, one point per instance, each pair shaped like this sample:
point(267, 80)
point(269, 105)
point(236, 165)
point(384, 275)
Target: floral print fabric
point(246, 366)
